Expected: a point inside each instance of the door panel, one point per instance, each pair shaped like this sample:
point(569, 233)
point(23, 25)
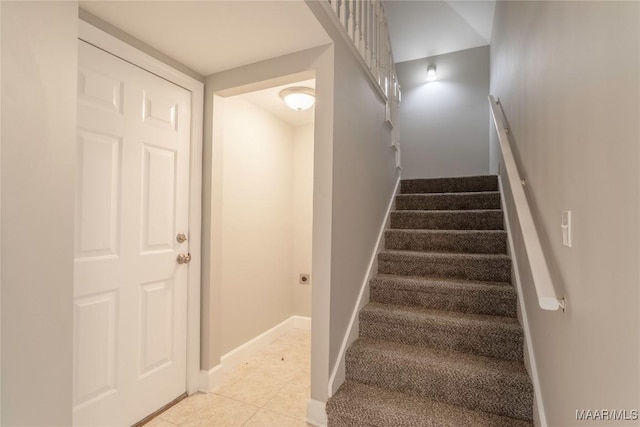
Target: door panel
point(98, 196)
point(95, 368)
point(100, 90)
point(130, 294)
point(158, 194)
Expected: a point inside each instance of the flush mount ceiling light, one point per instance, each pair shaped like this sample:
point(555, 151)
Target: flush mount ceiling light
point(298, 98)
point(431, 73)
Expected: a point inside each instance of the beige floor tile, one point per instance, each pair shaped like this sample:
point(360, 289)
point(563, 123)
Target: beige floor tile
point(254, 390)
point(178, 413)
point(220, 411)
point(279, 376)
point(291, 400)
point(264, 418)
point(265, 367)
point(302, 378)
point(159, 422)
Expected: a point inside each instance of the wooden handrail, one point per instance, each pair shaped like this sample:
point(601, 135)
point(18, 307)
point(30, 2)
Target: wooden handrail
point(547, 297)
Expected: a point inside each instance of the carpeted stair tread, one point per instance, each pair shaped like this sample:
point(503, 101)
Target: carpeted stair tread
point(336, 420)
point(491, 336)
point(449, 201)
point(439, 341)
point(473, 219)
point(485, 267)
point(450, 185)
point(479, 383)
point(471, 296)
point(361, 405)
point(473, 241)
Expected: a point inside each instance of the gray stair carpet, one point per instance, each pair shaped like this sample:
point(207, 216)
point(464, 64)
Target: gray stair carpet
point(439, 342)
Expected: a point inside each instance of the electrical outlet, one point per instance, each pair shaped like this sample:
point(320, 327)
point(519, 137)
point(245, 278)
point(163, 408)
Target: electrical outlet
point(566, 228)
point(305, 279)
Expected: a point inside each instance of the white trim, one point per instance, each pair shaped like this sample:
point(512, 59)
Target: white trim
point(316, 413)
point(126, 52)
point(523, 311)
point(211, 379)
point(117, 47)
point(195, 237)
point(338, 375)
point(301, 322)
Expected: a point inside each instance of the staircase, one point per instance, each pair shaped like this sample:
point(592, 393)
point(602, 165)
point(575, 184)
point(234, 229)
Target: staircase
point(439, 342)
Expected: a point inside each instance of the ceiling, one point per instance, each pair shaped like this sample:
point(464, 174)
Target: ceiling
point(270, 101)
point(420, 29)
point(212, 36)
point(215, 35)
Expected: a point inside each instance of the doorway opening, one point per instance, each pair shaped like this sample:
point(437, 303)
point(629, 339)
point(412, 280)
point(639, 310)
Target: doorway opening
point(262, 216)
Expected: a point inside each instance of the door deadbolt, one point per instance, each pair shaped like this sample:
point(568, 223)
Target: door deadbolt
point(181, 238)
point(184, 259)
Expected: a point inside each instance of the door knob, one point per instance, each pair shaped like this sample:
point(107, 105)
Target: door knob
point(184, 259)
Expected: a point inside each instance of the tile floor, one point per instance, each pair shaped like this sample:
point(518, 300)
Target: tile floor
point(270, 390)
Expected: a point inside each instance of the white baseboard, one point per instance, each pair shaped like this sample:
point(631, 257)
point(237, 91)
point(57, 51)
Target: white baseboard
point(529, 354)
point(301, 322)
point(338, 375)
point(213, 378)
point(316, 413)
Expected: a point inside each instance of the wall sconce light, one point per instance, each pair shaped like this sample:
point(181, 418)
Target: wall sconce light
point(298, 98)
point(431, 73)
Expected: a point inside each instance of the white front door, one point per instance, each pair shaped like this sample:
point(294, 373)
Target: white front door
point(132, 192)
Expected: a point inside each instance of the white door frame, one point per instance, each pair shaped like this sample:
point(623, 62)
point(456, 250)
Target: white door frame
point(117, 47)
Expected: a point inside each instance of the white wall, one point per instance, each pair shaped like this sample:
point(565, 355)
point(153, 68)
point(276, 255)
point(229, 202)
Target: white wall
point(39, 65)
point(267, 208)
point(302, 216)
point(568, 77)
point(257, 222)
point(444, 124)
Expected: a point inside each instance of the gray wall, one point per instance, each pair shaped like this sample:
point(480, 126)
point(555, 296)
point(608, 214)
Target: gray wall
point(39, 66)
point(567, 74)
point(364, 177)
point(444, 124)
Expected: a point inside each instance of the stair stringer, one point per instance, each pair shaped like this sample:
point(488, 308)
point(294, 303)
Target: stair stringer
point(529, 355)
point(338, 373)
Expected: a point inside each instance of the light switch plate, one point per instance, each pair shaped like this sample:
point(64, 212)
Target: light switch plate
point(566, 228)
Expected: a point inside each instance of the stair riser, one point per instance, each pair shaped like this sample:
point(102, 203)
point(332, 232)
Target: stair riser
point(361, 405)
point(448, 220)
point(338, 421)
point(449, 185)
point(477, 302)
point(481, 391)
point(486, 269)
point(482, 340)
point(488, 243)
point(448, 201)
